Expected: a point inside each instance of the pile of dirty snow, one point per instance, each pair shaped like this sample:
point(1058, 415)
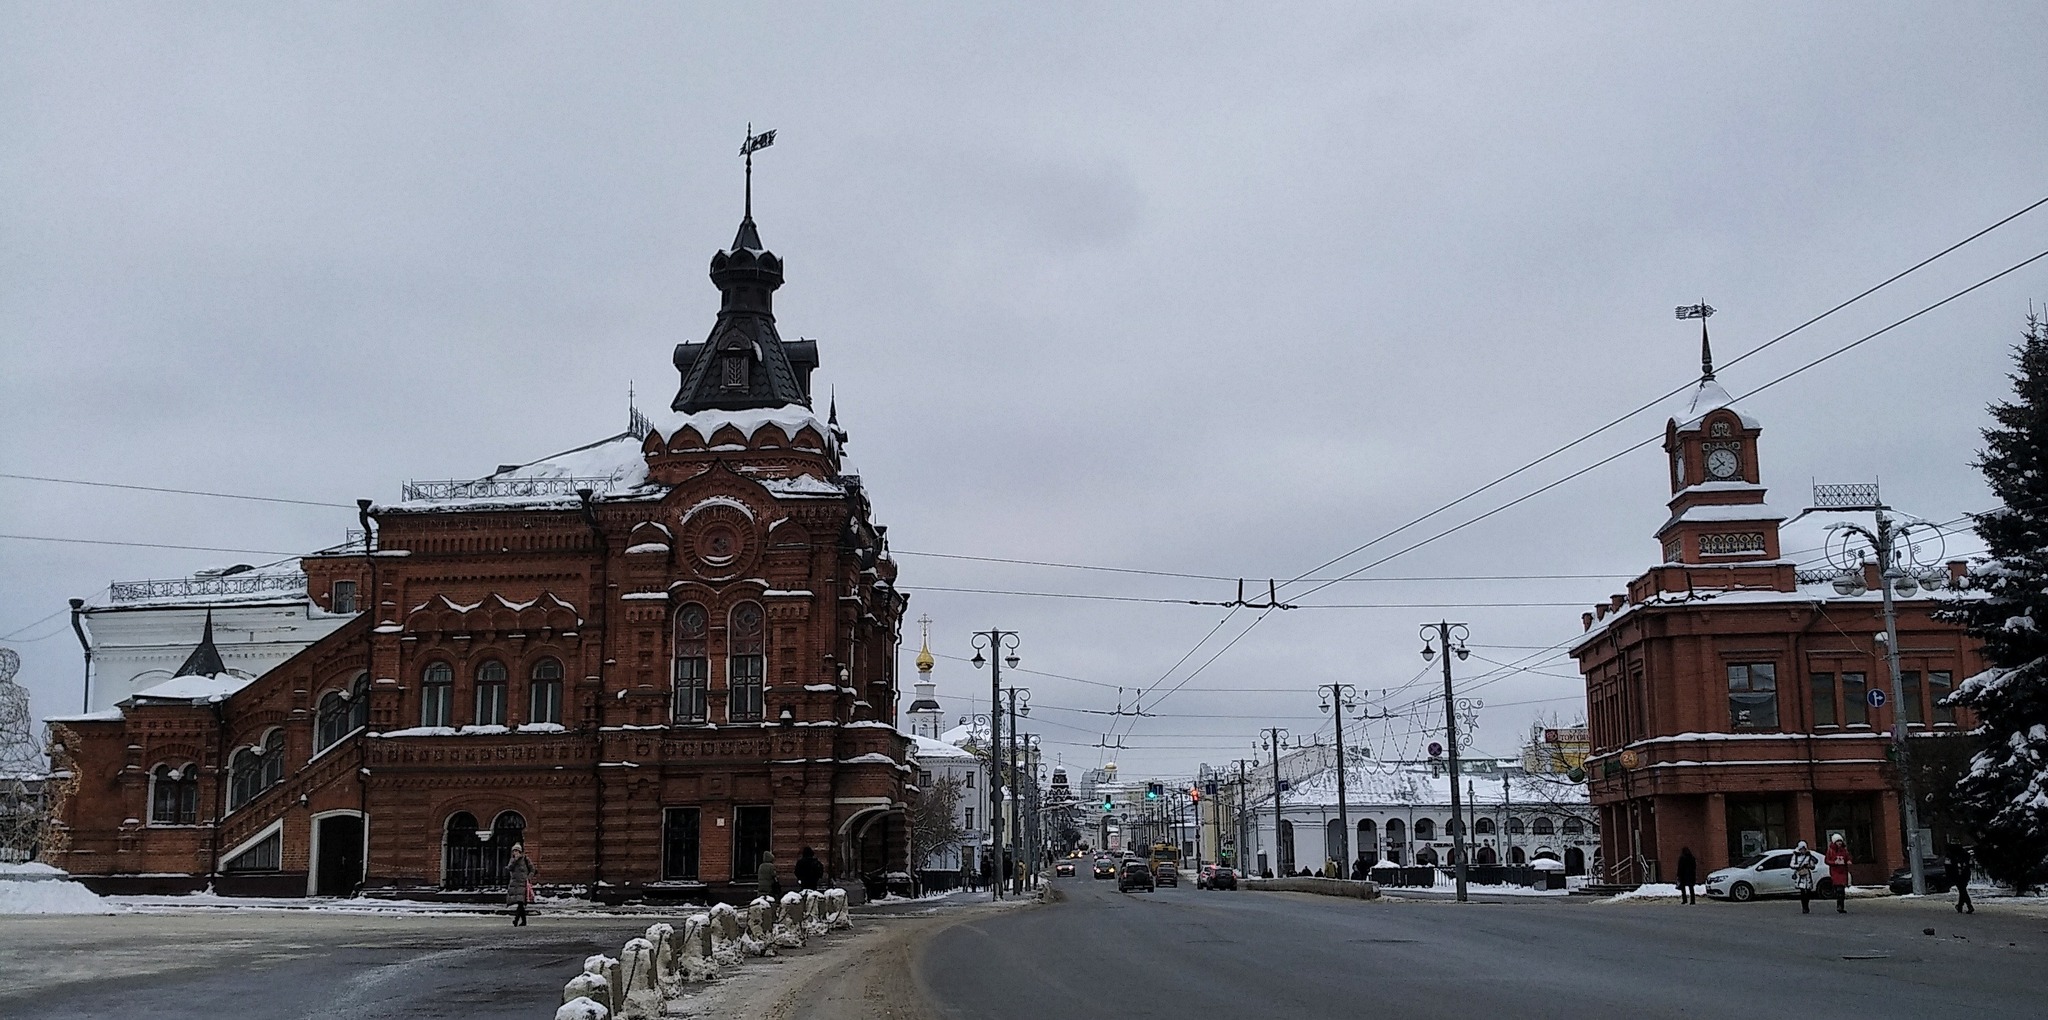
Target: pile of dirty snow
point(35, 888)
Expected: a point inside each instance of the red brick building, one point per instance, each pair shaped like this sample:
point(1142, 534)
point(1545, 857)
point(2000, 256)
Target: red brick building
point(651, 658)
point(1728, 690)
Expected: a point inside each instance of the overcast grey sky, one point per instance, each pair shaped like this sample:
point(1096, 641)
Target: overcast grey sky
point(1225, 290)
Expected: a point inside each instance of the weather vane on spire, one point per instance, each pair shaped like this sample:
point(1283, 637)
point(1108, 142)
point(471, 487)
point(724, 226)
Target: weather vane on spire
point(754, 141)
point(1699, 311)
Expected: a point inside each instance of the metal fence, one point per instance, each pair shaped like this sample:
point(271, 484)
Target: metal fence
point(486, 488)
point(199, 587)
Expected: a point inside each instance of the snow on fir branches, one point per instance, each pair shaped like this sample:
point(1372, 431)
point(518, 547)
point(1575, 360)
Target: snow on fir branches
point(2004, 796)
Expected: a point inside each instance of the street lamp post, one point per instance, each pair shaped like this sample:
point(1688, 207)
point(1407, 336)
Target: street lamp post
point(1892, 575)
point(1283, 853)
point(1001, 646)
point(1344, 697)
point(1017, 862)
point(1452, 637)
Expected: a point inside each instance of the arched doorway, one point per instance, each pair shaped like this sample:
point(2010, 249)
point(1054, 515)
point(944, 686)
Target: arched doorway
point(1368, 842)
point(1397, 841)
point(1426, 857)
point(1515, 856)
point(338, 854)
point(461, 852)
point(1336, 844)
point(1285, 839)
point(1574, 861)
point(1486, 856)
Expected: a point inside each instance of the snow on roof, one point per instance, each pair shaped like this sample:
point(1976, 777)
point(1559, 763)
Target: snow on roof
point(790, 418)
point(1405, 783)
point(1706, 398)
point(1715, 513)
point(195, 688)
point(927, 749)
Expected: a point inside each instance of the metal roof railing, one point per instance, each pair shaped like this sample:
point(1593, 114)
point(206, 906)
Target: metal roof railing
point(204, 586)
point(488, 488)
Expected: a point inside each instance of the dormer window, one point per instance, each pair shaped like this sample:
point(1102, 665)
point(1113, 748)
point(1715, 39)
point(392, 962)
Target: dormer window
point(732, 373)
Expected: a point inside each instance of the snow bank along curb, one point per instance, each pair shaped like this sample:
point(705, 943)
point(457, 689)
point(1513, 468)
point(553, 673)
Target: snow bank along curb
point(1358, 890)
point(37, 888)
point(652, 969)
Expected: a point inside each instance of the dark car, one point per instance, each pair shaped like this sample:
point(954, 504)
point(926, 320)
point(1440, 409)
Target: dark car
point(1063, 869)
point(1135, 875)
point(1216, 876)
point(1105, 867)
point(1166, 873)
point(1937, 878)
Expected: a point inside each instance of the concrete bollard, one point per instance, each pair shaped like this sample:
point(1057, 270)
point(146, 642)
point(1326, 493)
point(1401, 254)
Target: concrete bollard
point(694, 958)
point(789, 921)
point(662, 936)
point(643, 999)
point(580, 1008)
point(725, 930)
point(836, 913)
point(598, 982)
point(759, 939)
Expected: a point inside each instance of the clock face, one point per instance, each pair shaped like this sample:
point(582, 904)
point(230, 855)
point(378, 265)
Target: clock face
point(1722, 463)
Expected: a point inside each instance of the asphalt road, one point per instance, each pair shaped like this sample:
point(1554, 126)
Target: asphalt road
point(285, 964)
point(1223, 955)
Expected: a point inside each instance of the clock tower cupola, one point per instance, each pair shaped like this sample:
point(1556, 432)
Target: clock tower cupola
point(1718, 513)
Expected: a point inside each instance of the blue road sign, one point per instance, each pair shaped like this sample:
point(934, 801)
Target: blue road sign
point(1875, 697)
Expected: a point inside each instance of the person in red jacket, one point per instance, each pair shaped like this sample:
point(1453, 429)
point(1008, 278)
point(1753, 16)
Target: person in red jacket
point(1838, 872)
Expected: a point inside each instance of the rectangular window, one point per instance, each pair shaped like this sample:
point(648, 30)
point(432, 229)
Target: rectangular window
point(1909, 680)
point(747, 695)
point(490, 703)
point(1855, 707)
point(970, 780)
point(692, 673)
point(1852, 818)
point(1756, 824)
point(679, 827)
point(970, 819)
point(545, 702)
point(1940, 684)
point(1753, 696)
point(750, 832)
point(924, 777)
point(437, 704)
point(344, 598)
point(1823, 685)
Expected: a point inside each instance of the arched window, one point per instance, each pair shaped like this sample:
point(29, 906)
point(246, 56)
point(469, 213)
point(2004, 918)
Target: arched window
point(1483, 827)
point(1425, 830)
point(1286, 847)
point(341, 713)
point(544, 696)
point(490, 693)
point(1574, 827)
point(1368, 841)
point(245, 776)
point(437, 695)
point(1515, 856)
point(1542, 826)
point(174, 794)
point(1455, 827)
point(747, 662)
point(1515, 825)
point(1397, 840)
point(1426, 856)
point(693, 664)
point(1486, 856)
point(1334, 843)
point(461, 853)
point(272, 752)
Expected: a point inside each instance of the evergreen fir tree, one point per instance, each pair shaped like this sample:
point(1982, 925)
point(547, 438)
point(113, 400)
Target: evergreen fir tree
point(2004, 797)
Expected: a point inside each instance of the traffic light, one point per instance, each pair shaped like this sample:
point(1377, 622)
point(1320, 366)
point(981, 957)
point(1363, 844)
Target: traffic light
point(1107, 807)
point(1194, 795)
point(1151, 791)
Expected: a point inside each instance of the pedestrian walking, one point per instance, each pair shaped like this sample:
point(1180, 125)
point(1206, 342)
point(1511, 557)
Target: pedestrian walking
point(966, 873)
point(519, 883)
point(1803, 864)
point(810, 871)
point(1838, 872)
point(765, 882)
point(1959, 873)
point(988, 874)
point(1688, 876)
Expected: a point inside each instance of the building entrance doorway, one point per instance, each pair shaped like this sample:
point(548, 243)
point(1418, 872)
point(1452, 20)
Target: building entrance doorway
point(340, 868)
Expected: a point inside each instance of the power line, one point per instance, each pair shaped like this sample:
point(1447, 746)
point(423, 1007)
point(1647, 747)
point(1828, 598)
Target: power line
point(1668, 395)
point(147, 545)
point(181, 492)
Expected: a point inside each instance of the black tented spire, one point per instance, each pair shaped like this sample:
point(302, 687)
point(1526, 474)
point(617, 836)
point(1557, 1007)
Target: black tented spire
point(205, 660)
point(744, 363)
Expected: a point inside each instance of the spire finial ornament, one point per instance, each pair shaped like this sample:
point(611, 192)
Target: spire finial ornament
point(1701, 312)
point(754, 141)
point(205, 660)
point(924, 654)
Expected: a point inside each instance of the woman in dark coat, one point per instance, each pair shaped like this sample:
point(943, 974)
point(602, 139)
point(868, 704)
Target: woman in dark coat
point(1959, 875)
point(1688, 876)
point(519, 883)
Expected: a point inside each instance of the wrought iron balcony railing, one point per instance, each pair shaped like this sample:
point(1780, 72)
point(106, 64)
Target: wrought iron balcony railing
point(205, 586)
point(489, 488)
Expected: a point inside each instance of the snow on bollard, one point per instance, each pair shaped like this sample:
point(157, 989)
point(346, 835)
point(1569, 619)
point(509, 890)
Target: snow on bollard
point(836, 913)
point(643, 999)
point(662, 935)
point(693, 959)
point(814, 913)
point(759, 939)
point(580, 1008)
point(598, 982)
point(725, 932)
point(789, 922)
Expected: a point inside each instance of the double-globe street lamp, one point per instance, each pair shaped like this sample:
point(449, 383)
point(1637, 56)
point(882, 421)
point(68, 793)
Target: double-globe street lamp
point(1001, 646)
point(1451, 637)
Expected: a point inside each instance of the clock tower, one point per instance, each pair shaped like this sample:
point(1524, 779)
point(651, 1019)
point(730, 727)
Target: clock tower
point(1718, 513)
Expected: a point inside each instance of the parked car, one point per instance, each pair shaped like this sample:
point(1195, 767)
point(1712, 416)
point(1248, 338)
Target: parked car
point(1766, 874)
point(1136, 874)
point(1216, 876)
point(1166, 873)
point(1063, 869)
point(1105, 867)
point(1937, 878)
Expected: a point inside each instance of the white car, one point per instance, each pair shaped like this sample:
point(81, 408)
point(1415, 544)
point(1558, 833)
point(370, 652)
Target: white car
point(1766, 874)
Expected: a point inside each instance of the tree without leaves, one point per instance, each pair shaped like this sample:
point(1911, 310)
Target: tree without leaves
point(935, 821)
point(2004, 797)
